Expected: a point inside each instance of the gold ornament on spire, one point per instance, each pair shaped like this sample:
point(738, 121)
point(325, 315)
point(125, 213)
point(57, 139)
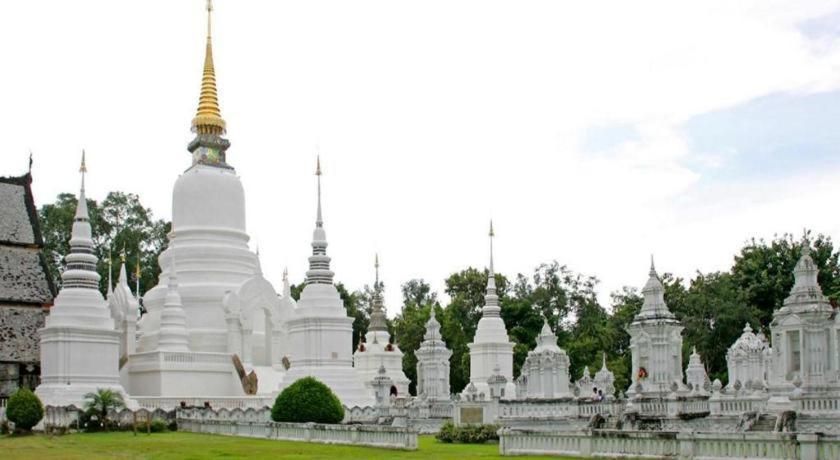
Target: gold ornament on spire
point(83, 168)
point(208, 118)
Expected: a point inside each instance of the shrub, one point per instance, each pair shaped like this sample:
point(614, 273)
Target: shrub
point(24, 409)
point(307, 400)
point(158, 426)
point(446, 433)
point(467, 434)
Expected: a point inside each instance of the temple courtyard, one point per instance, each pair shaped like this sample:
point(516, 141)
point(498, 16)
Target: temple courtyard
point(196, 446)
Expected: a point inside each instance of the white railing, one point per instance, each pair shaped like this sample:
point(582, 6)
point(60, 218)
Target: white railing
point(736, 404)
point(202, 421)
point(670, 445)
point(232, 402)
point(817, 405)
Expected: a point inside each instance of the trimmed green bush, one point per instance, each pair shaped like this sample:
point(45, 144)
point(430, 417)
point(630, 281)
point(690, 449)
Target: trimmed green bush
point(307, 400)
point(467, 434)
point(24, 409)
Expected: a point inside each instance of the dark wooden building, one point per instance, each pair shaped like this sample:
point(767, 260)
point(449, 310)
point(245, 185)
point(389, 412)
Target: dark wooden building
point(26, 289)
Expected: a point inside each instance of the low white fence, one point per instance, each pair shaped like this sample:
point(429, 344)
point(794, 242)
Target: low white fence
point(233, 402)
point(208, 421)
point(670, 445)
point(571, 408)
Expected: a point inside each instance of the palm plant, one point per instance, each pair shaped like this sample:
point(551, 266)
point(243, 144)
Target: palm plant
point(100, 402)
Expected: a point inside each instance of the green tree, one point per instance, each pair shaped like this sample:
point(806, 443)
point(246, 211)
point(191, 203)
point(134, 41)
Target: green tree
point(119, 222)
point(713, 313)
point(410, 324)
point(100, 402)
point(765, 271)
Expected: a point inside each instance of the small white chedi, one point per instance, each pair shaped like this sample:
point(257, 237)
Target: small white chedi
point(433, 363)
point(80, 344)
point(377, 350)
point(545, 372)
point(320, 332)
point(655, 345)
point(491, 352)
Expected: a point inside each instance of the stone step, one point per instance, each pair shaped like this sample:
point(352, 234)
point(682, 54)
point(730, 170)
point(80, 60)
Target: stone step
point(765, 423)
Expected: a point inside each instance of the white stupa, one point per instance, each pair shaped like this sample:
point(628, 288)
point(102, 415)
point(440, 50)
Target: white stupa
point(320, 334)
point(655, 344)
point(491, 346)
point(79, 342)
point(545, 372)
point(377, 350)
point(214, 332)
point(433, 363)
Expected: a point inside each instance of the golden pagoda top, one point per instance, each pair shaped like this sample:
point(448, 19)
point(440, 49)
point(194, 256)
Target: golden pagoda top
point(208, 118)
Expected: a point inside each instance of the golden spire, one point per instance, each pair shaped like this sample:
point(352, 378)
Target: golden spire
point(208, 118)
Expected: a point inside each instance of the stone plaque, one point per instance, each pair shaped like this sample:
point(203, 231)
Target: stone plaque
point(472, 415)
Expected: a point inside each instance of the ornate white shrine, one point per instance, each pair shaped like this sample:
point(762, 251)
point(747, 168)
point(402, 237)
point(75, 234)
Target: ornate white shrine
point(545, 373)
point(491, 346)
point(378, 350)
point(655, 344)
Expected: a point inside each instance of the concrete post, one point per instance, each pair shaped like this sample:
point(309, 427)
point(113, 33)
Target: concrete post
point(808, 446)
point(686, 441)
point(586, 444)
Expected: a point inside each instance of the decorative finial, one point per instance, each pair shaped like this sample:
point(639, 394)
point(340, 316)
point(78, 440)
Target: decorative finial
point(806, 243)
point(319, 221)
point(603, 360)
point(376, 266)
point(492, 235)
point(286, 274)
point(652, 267)
point(208, 118)
point(137, 273)
point(110, 270)
point(30, 161)
point(432, 312)
point(122, 255)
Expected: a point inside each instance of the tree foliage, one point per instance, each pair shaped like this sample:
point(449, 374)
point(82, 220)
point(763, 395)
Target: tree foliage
point(118, 222)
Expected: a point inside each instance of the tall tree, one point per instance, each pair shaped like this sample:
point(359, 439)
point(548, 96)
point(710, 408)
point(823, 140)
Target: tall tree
point(765, 270)
point(409, 325)
point(119, 222)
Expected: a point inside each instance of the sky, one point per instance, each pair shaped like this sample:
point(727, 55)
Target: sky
point(593, 133)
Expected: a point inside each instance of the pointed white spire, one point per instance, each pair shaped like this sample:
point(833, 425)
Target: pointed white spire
point(806, 293)
point(81, 206)
point(110, 290)
point(377, 315)
point(258, 267)
point(319, 263)
point(654, 293)
point(173, 335)
point(81, 261)
point(491, 299)
point(319, 220)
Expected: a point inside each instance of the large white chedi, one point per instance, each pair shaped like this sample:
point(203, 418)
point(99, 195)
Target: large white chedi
point(320, 334)
point(377, 351)
point(491, 352)
point(211, 309)
point(79, 343)
point(655, 344)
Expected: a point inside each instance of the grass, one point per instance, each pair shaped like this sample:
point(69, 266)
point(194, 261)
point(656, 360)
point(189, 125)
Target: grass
point(125, 445)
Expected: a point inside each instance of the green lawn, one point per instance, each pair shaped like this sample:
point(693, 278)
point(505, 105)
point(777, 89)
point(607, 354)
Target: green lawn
point(196, 446)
